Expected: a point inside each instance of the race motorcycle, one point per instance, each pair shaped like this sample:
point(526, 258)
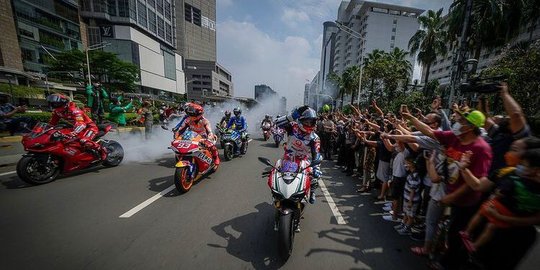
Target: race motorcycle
point(230, 141)
point(266, 130)
point(278, 134)
point(193, 160)
point(290, 183)
point(51, 152)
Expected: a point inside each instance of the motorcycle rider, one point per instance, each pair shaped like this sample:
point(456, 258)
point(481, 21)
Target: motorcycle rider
point(240, 125)
point(197, 123)
point(84, 129)
point(225, 119)
point(302, 142)
point(267, 119)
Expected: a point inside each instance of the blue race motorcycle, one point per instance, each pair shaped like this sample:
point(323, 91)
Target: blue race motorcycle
point(232, 140)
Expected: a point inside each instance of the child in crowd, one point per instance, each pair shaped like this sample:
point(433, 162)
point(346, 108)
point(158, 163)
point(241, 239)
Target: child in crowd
point(517, 196)
point(411, 196)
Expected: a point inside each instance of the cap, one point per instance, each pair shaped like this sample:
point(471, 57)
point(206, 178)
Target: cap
point(474, 117)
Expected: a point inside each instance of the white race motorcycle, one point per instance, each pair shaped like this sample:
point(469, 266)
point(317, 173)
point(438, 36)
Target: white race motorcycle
point(290, 183)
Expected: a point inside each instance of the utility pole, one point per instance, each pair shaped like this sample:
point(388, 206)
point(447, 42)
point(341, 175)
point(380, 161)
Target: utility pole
point(459, 58)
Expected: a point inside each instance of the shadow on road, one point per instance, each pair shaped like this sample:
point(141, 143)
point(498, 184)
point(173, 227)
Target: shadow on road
point(15, 182)
point(251, 238)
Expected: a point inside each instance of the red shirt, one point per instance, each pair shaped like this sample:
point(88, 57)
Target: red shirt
point(480, 163)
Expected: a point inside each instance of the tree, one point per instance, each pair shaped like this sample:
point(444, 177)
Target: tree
point(430, 40)
point(397, 73)
point(347, 83)
point(531, 13)
point(373, 69)
point(106, 66)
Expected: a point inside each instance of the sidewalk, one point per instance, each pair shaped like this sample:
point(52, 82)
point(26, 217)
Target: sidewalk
point(11, 148)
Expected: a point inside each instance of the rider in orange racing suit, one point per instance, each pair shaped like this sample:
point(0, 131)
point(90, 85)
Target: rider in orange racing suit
point(197, 123)
point(83, 127)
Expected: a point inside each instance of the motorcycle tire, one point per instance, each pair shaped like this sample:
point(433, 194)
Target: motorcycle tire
point(115, 154)
point(244, 147)
point(228, 152)
point(277, 144)
point(182, 180)
point(285, 236)
point(33, 179)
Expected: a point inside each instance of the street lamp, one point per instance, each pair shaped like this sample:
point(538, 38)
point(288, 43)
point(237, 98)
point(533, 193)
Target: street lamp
point(91, 48)
point(355, 34)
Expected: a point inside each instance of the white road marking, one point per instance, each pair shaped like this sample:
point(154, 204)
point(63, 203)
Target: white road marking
point(7, 173)
point(250, 140)
point(144, 204)
point(382, 202)
point(331, 203)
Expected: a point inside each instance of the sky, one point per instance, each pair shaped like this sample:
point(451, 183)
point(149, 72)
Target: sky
point(278, 42)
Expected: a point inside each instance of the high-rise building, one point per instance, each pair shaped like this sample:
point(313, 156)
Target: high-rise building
point(141, 32)
point(306, 94)
point(263, 91)
point(196, 42)
point(45, 27)
point(10, 52)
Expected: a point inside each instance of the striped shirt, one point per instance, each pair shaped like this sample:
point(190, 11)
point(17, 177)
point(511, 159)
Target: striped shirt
point(412, 184)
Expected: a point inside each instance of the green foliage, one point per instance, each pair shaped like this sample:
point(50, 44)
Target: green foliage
point(46, 116)
point(21, 91)
point(114, 73)
point(521, 64)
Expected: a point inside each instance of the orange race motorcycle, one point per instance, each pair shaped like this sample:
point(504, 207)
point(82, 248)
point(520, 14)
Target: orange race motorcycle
point(193, 160)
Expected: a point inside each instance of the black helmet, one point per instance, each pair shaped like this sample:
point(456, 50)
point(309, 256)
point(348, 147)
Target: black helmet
point(227, 113)
point(307, 120)
point(237, 111)
point(57, 100)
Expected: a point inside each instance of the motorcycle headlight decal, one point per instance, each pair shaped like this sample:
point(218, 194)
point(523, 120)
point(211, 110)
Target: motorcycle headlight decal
point(288, 177)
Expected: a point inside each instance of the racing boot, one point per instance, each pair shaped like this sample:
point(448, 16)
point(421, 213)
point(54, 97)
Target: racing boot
point(312, 198)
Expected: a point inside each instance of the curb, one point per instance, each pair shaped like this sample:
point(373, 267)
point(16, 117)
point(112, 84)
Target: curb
point(11, 139)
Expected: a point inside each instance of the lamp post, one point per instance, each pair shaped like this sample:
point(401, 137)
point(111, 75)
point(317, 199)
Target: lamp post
point(355, 34)
point(91, 48)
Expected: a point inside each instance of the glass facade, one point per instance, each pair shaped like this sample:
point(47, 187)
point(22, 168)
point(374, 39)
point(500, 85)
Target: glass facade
point(154, 16)
point(49, 24)
point(169, 62)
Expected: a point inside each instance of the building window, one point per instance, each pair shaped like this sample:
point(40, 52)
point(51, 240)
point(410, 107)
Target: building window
point(27, 55)
point(112, 8)
point(152, 3)
point(152, 21)
point(167, 6)
point(393, 38)
point(100, 5)
point(169, 62)
point(123, 8)
point(192, 14)
point(94, 36)
point(168, 32)
point(160, 27)
point(379, 10)
point(159, 6)
point(26, 33)
point(142, 14)
point(393, 30)
point(133, 9)
point(395, 21)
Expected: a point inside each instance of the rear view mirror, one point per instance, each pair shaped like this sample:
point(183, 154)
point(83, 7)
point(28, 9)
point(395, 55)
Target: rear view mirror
point(265, 161)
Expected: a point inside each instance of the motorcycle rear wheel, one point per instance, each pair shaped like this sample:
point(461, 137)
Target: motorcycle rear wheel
point(182, 180)
point(38, 177)
point(285, 236)
point(115, 154)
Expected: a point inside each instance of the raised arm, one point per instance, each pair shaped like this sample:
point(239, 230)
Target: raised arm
point(512, 108)
point(425, 129)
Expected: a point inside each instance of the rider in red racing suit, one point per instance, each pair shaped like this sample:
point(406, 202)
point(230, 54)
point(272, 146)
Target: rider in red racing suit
point(84, 129)
point(197, 123)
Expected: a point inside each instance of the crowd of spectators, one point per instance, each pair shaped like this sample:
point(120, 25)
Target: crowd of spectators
point(463, 181)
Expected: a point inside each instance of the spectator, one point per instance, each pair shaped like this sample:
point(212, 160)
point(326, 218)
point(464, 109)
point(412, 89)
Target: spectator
point(148, 119)
point(411, 196)
point(7, 113)
point(117, 110)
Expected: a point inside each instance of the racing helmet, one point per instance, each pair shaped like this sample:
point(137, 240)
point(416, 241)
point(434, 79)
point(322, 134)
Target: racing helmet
point(237, 111)
point(194, 111)
point(307, 120)
point(57, 100)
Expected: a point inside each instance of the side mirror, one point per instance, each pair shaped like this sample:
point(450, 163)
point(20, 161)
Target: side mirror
point(164, 127)
point(265, 161)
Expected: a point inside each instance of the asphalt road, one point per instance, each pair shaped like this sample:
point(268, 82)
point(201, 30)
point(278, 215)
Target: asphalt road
point(224, 222)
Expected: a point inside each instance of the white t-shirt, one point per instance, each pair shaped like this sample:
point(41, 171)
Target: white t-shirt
point(398, 165)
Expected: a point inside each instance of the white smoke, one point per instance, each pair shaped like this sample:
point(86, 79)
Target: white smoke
point(139, 150)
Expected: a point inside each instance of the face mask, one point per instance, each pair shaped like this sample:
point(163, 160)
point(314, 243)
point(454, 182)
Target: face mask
point(520, 170)
point(456, 129)
point(511, 159)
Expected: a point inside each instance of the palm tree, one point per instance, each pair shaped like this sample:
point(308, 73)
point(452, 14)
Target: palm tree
point(373, 68)
point(399, 69)
point(429, 41)
point(351, 77)
point(339, 82)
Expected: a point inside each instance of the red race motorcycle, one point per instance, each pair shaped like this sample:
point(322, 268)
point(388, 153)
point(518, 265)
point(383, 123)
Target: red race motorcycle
point(51, 153)
point(193, 160)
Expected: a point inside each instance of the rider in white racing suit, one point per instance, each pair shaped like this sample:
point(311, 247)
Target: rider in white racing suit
point(303, 142)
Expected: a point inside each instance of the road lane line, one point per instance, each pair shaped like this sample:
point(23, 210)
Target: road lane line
point(144, 204)
point(7, 173)
point(332, 204)
point(250, 140)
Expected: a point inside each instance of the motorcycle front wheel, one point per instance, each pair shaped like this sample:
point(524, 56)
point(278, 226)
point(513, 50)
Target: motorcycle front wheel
point(228, 151)
point(36, 170)
point(182, 180)
point(285, 236)
point(243, 148)
point(277, 144)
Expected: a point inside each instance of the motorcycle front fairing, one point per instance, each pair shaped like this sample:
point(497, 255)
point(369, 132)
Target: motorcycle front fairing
point(290, 182)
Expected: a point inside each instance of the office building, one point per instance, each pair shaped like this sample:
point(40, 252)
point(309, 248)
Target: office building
point(208, 80)
point(263, 91)
point(142, 32)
